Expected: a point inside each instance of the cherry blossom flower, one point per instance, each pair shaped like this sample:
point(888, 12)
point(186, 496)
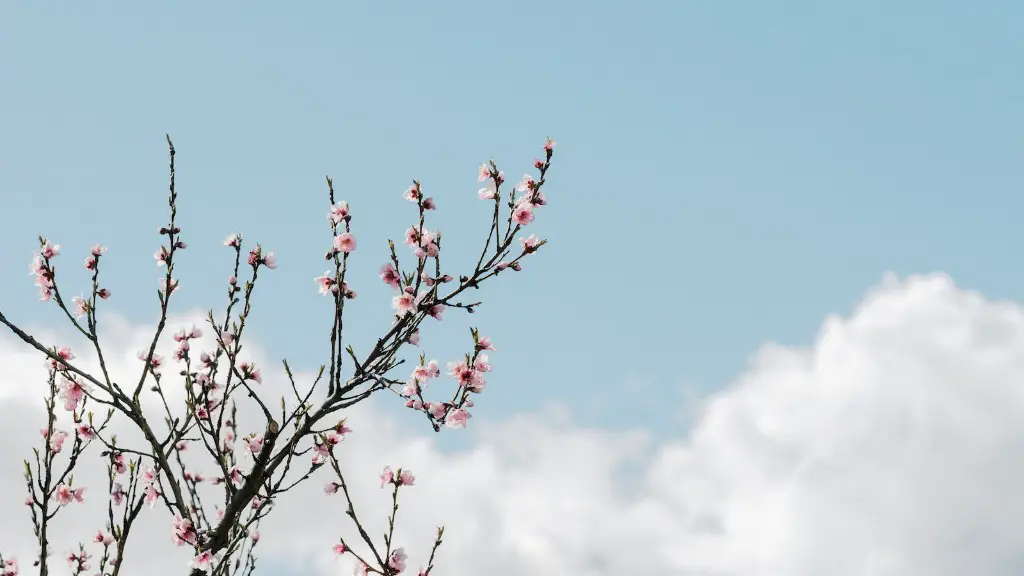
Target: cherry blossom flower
point(482, 363)
point(117, 494)
point(458, 418)
point(205, 561)
point(86, 432)
point(64, 353)
point(405, 478)
point(484, 343)
point(57, 440)
point(404, 303)
point(424, 373)
point(390, 276)
point(339, 549)
point(326, 283)
point(488, 192)
point(523, 214)
point(66, 494)
point(345, 242)
point(338, 213)
point(526, 184)
point(411, 194)
point(184, 532)
point(529, 244)
point(397, 560)
point(234, 241)
point(387, 476)
point(72, 392)
point(549, 145)
point(50, 250)
point(161, 256)
point(81, 306)
point(255, 445)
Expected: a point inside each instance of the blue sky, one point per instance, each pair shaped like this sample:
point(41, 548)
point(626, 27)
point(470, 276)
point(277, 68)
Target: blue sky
point(727, 173)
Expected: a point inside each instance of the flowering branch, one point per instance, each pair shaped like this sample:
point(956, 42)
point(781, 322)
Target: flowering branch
point(223, 531)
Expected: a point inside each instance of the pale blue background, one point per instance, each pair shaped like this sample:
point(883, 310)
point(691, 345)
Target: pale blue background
point(727, 173)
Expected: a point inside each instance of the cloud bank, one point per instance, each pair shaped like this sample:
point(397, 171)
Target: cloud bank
point(893, 446)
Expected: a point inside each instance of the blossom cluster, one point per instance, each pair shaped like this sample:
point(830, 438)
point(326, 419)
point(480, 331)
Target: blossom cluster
point(420, 291)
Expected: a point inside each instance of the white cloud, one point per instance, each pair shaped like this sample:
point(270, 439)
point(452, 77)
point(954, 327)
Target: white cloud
point(893, 446)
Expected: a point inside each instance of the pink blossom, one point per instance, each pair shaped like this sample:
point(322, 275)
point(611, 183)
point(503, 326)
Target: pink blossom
point(205, 561)
point(98, 250)
point(414, 337)
point(86, 431)
point(67, 494)
point(73, 392)
point(152, 495)
point(235, 475)
point(488, 192)
point(118, 463)
point(81, 306)
point(458, 418)
point(523, 214)
point(255, 444)
point(90, 262)
point(410, 389)
point(405, 478)
point(529, 244)
point(404, 304)
point(526, 184)
point(338, 213)
point(345, 242)
point(254, 534)
point(485, 172)
point(412, 236)
point(466, 375)
point(184, 532)
point(50, 250)
point(331, 488)
point(436, 409)
point(484, 343)
point(57, 441)
point(117, 494)
point(423, 373)
point(429, 204)
point(436, 311)
point(361, 569)
point(250, 372)
point(412, 194)
point(397, 560)
point(270, 261)
point(103, 293)
point(154, 363)
point(482, 363)
point(173, 285)
point(390, 276)
point(64, 353)
point(161, 256)
point(234, 241)
point(326, 283)
point(549, 145)
point(387, 476)
point(339, 549)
